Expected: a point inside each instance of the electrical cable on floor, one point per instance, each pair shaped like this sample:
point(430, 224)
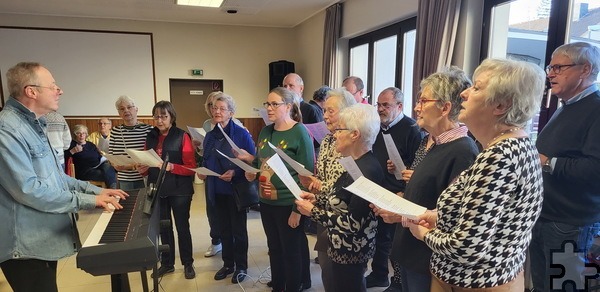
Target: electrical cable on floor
point(261, 278)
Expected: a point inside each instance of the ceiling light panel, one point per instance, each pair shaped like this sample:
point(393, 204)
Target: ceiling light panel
point(201, 3)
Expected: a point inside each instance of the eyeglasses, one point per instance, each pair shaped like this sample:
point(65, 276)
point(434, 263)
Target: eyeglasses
point(81, 133)
point(422, 101)
point(101, 123)
point(222, 109)
point(53, 87)
point(128, 108)
point(557, 69)
point(337, 130)
point(273, 104)
point(386, 105)
point(161, 117)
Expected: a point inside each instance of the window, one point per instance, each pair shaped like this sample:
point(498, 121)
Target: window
point(531, 30)
point(385, 58)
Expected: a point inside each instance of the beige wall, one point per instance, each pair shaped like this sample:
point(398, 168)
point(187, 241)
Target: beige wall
point(310, 53)
point(238, 55)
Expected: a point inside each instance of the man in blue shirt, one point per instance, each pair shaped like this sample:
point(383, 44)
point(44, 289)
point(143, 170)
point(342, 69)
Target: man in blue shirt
point(37, 198)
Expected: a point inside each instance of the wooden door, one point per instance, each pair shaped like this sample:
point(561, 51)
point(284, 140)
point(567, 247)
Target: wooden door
point(188, 97)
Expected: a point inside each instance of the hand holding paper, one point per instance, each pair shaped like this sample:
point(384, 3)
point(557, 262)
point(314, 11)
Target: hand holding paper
point(197, 134)
point(147, 157)
point(241, 164)
point(394, 155)
point(279, 168)
point(204, 171)
point(385, 199)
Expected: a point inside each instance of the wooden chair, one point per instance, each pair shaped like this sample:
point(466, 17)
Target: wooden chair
point(71, 173)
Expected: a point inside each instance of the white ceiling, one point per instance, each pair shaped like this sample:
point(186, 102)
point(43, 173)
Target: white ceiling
point(271, 13)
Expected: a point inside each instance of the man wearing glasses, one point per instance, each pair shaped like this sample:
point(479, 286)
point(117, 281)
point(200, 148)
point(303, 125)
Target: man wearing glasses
point(37, 198)
point(407, 136)
point(570, 156)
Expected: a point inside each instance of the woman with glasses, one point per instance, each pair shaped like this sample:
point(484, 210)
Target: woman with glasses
point(443, 154)
point(480, 231)
point(177, 187)
point(350, 223)
point(231, 221)
point(279, 215)
point(89, 163)
point(328, 170)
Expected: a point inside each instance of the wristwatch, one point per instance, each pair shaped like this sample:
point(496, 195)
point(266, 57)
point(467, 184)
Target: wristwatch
point(547, 166)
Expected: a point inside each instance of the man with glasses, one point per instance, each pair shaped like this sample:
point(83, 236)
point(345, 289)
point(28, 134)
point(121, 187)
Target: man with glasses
point(100, 138)
point(570, 158)
point(407, 137)
point(356, 87)
point(130, 135)
point(37, 198)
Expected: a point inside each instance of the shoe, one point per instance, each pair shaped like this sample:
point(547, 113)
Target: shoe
point(393, 288)
point(164, 270)
point(270, 284)
point(188, 271)
point(372, 282)
point(238, 276)
point(212, 250)
point(223, 272)
point(317, 260)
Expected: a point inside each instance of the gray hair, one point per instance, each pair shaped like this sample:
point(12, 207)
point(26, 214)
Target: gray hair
point(345, 97)
point(296, 77)
point(517, 84)
point(321, 93)
point(124, 99)
point(227, 99)
point(398, 95)
point(20, 75)
point(446, 86)
point(210, 99)
point(78, 129)
point(365, 119)
point(581, 53)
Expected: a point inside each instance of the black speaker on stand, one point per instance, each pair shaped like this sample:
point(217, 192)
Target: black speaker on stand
point(277, 71)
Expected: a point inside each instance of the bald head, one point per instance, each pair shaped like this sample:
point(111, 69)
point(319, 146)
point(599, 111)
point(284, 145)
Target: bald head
point(294, 83)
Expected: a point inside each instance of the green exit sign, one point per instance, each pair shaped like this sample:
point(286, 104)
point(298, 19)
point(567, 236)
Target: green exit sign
point(197, 72)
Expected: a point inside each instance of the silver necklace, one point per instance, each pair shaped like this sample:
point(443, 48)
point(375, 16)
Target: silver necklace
point(502, 134)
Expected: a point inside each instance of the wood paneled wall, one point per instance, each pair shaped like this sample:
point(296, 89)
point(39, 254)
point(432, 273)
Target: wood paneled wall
point(254, 125)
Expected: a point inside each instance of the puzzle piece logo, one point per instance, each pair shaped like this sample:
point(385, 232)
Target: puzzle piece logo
point(572, 274)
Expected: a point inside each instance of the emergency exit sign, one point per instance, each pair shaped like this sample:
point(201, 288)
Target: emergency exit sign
point(197, 72)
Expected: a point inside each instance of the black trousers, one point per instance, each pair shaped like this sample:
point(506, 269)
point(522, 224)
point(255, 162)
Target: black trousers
point(285, 247)
point(233, 232)
point(349, 277)
point(180, 207)
point(383, 247)
point(30, 275)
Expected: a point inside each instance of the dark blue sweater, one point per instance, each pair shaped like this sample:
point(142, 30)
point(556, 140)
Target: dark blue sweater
point(572, 191)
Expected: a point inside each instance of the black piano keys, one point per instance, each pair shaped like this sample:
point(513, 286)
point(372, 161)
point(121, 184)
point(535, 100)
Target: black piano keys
point(118, 225)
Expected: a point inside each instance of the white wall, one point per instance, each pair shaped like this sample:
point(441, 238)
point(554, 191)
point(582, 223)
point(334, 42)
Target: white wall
point(238, 55)
point(362, 16)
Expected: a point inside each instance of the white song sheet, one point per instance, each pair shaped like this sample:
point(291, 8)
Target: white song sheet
point(119, 160)
point(240, 163)
point(145, 157)
point(103, 145)
point(197, 134)
point(350, 165)
point(233, 146)
point(299, 168)
point(204, 171)
point(279, 168)
point(382, 198)
point(394, 155)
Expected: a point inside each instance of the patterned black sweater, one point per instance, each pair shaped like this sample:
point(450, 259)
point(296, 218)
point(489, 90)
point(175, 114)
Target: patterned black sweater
point(485, 217)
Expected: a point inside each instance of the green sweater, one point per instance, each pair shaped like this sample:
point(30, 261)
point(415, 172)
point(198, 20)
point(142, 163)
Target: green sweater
point(296, 143)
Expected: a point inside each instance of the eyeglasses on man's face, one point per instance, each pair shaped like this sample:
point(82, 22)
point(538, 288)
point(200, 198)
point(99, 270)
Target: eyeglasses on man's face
point(126, 108)
point(103, 123)
point(273, 104)
point(557, 68)
point(386, 105)
point(54, 87)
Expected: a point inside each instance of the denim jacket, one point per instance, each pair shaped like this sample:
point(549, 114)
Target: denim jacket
point(36, 196)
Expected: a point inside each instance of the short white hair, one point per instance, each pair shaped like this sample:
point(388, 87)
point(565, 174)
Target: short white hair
point(365, 119)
